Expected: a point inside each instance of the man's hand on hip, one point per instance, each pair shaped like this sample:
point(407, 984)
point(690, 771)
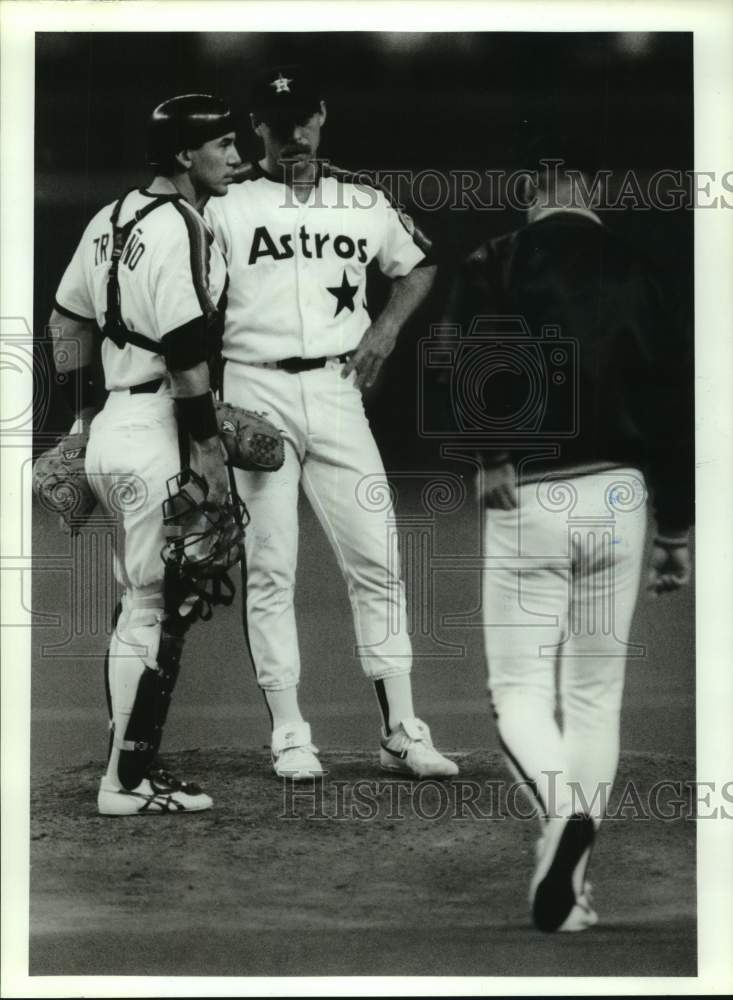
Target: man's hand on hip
point(374, 348)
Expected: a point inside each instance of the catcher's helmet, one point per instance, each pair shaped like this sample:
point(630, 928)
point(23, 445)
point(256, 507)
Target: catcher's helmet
point(185, 122)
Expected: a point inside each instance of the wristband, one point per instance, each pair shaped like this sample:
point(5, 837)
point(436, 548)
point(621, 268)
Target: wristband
point(196, 416)
point(78, 389)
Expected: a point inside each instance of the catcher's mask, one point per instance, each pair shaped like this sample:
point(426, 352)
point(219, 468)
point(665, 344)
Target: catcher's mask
point(203, 539)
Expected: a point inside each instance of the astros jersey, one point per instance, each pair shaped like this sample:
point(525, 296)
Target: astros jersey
point(298, 271)
point(171, 277)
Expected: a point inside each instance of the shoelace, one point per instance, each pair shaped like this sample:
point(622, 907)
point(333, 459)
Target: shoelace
point(423, 738)
point(162, 780)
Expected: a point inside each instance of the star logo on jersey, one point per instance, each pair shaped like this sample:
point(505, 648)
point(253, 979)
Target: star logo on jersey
point(282, 84)
point(344, 295)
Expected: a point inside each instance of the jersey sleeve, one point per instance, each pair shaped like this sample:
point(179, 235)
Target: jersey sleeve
point(180, 292)
point(664, 404)
point(217, 219)
point(73, 295)
point(403, 245)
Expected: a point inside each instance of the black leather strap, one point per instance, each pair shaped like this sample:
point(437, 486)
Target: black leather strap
point(296, 365)
point(152, 386)
point(114, 326)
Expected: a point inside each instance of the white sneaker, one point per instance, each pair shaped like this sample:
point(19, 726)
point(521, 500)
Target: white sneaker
point(409, 750)
point(553, 900)
point(293, 754)
point(160, 792)
point(580, 918)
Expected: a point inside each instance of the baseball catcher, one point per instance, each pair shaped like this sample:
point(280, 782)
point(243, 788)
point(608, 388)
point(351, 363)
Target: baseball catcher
point(148, 277)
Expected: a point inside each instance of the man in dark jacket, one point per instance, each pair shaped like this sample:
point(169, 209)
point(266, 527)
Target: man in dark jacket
point(575, 385)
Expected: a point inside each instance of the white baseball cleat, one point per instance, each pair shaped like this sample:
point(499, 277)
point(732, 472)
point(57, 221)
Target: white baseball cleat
point(579, 919)
point(582, 916)
point(553, 900)
point(293, 755)
point(160, 792)
point(409, 750)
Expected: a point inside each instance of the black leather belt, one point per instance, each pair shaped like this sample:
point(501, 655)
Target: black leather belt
point(296, 365)
point(152, 386)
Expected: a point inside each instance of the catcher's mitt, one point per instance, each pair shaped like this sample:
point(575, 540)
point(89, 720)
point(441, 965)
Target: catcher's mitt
point(61, 484)
point(251, 441)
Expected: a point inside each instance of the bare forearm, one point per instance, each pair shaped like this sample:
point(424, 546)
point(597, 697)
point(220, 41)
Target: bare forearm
point(406, 294)
point(73, 353)
point(73, 342)
point(379, 340)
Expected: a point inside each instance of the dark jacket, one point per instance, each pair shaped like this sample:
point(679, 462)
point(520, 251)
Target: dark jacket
point(616, 372)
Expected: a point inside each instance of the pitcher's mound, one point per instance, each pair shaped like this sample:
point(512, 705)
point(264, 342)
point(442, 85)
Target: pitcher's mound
point(364, 874)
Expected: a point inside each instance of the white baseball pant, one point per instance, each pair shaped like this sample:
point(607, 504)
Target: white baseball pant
point(560, 584)
point(132, 452)
point(330, 449)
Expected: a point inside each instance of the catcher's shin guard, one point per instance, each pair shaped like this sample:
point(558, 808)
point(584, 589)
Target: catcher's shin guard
point(203, 540)
point(138, 720)
point(107, 686)
point(144, 731)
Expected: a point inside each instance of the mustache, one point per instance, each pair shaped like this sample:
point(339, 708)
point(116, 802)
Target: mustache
point(293, 150)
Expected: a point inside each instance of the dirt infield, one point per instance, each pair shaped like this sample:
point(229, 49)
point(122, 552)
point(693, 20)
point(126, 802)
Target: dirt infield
point(368, 876)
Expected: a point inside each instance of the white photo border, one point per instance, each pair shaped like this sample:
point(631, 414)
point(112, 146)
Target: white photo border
point(712, 24)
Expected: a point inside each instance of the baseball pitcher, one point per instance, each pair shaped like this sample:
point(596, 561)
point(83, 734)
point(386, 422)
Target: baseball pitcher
point(299, 343)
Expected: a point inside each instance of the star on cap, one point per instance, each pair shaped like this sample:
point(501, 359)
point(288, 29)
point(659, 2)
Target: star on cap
point(344, 295)
point(282, 84)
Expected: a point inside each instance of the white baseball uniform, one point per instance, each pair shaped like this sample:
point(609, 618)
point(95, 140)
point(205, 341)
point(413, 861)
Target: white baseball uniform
point(170, 275)
point(298, 291)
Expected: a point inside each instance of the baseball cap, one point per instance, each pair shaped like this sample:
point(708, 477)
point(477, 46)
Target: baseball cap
point(287, 92)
